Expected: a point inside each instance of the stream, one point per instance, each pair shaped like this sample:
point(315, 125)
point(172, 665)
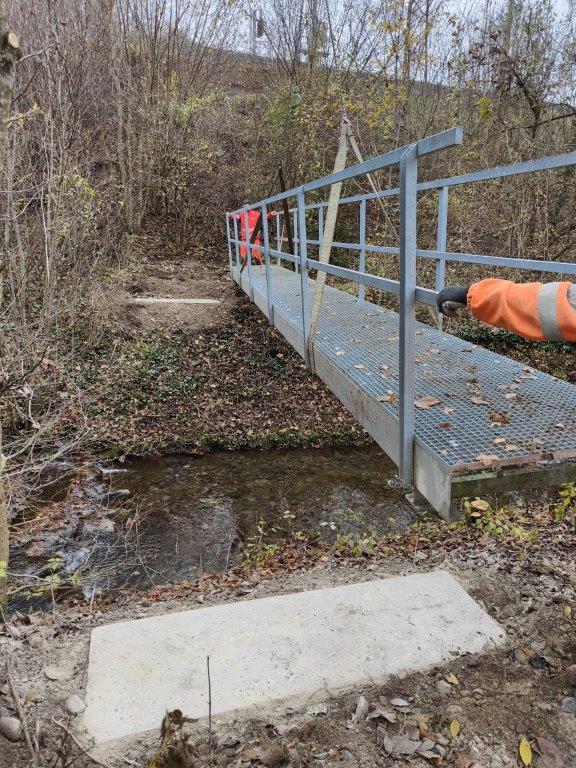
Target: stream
point(191, 515)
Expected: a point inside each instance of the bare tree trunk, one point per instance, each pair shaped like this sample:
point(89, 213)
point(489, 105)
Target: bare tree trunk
point(9, 55)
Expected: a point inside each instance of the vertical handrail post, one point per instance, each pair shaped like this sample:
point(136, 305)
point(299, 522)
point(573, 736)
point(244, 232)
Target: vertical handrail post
point(362, 244)
point(237, 247)
point(228, 237)
point(303, 253)
point(320, 225)
point(246, 242)
point(266, 249)
point(441, 242)
point(278, 238)
point(295, 237)
point(407, 317)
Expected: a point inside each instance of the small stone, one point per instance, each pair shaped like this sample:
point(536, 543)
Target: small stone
point(74, 705)
point(443, 687)
point(568, 705)
point(228, 740)
point(399, 702)
point(121, 493)
point(454, 712)
point(318, 709)
point(57, 673)
point(11, 728)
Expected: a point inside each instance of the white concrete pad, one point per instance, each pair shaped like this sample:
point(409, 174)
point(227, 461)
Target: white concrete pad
point(278, 648)
point(143, 300)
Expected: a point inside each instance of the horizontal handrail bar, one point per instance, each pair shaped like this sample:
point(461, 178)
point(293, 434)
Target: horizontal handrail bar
point(442, 140)
point(502, 171)
point(534, 265)
point(561, 268)
point(498, 172)
point(424, 295)
point(284, 255)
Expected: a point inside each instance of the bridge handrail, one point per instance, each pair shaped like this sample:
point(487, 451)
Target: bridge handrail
point(406, 288)
point(426, 146)
point(512, 262)
point(498, 172)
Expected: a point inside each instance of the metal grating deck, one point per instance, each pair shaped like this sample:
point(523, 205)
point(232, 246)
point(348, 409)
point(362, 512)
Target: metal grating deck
point(520, 416)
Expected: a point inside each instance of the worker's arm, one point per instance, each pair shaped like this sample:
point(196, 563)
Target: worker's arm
point(538, 311)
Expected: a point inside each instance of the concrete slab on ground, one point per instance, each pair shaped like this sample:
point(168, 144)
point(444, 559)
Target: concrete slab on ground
point(145, 300)
point(285, 648)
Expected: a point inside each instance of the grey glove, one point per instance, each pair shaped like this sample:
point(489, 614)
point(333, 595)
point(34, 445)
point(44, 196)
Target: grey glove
point(451, 299)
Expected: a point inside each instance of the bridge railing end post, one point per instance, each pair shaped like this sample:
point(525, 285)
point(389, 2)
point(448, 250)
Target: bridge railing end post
point(303, 263)
point(407, 314)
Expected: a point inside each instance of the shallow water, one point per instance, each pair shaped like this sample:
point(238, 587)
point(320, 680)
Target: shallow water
point(197, 514)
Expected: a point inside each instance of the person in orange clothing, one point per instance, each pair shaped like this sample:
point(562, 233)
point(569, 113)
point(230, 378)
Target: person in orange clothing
point(256, 253)
point(537, 311)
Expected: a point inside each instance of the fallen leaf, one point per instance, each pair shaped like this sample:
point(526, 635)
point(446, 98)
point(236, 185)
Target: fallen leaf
point(391, 398)
point(448, 410)
point(362, 709)
point(567, 610)
point(487, 459)
point(50, 365)
point(477, 400)
point(512, 447)
point(273, 756)
point(560, 425)
point(510, 396)
point(523, 654)
point(452, 679)
point(444, 425)
point(387, 714)
point(525, 752)
point(400, 745)
point(498, 418)
point(384, 367)
point(359, 366)
point(339, 353)
point(454, 728)
point(463, 759)
point(426, 402)
point(499, 440)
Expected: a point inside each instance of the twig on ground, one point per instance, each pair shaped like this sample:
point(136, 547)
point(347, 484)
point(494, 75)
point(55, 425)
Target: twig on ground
point(17, 703)
point(80, 747)
point(209, 702)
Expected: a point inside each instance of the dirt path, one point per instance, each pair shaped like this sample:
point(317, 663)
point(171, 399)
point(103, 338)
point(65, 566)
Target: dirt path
point(177, 279)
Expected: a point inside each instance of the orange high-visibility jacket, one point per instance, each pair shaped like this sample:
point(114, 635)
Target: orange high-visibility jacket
point(538, 311)
point(256, 253)
point(253, 216)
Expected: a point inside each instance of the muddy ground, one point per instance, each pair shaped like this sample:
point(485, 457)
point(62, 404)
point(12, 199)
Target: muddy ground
point(473, 712)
